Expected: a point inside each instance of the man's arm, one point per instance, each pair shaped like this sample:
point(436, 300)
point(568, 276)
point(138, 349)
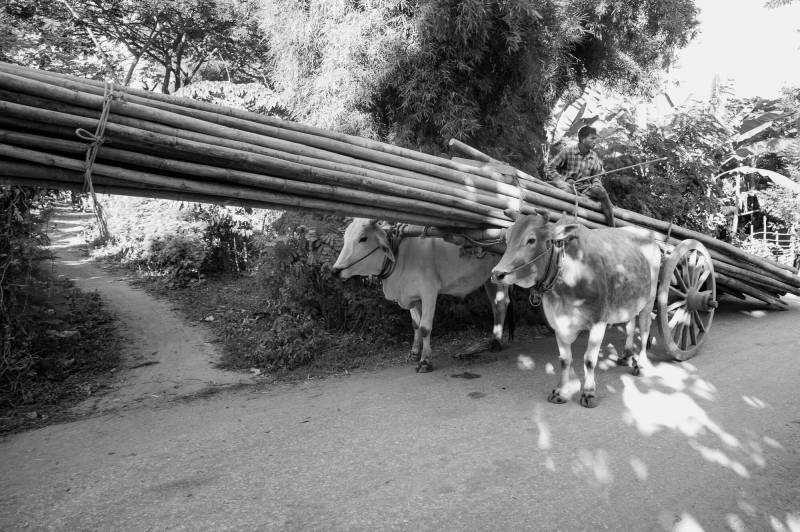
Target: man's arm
point(551, 168)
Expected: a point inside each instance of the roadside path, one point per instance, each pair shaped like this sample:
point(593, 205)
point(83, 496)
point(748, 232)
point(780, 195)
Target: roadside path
point(164, 357)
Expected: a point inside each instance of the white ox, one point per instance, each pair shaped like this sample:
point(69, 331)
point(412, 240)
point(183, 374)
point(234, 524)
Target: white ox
point(414, 272)
point(586, 279)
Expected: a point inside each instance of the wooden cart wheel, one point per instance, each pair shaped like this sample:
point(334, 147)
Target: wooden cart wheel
point(686, 299)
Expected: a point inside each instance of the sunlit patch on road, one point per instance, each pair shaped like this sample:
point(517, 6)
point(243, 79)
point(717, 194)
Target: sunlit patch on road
point(524, 362)
point(639, 468)
point(755, 402)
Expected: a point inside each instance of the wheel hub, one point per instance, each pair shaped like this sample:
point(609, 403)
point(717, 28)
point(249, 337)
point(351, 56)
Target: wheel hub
point(700, 300)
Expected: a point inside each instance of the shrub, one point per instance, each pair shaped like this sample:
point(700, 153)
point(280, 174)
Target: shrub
point(21, 236)
point(181, 241)
point(315, 315)
point(53, 336)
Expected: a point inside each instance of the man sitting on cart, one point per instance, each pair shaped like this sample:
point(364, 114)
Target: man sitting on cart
point(573, 164)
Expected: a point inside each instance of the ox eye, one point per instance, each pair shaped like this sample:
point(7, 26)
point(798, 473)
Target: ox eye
point(362, 239)
point(531, 241)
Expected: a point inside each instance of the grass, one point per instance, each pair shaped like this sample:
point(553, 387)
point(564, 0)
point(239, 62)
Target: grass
point(232, 307)
point(70, 351)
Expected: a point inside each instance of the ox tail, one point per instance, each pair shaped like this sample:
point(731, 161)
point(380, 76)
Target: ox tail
point(511, 317)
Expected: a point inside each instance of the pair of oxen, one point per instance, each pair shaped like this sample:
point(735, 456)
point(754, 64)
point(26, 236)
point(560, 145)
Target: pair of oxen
point(586, 279)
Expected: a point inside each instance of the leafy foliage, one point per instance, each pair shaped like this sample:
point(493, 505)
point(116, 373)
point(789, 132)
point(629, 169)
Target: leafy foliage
point(20, 238)
point(182, 242)
point(490, 72)
point(182, 39)
point(41, 34)
point(252, 97)
point(53, 336)
point(327, 57)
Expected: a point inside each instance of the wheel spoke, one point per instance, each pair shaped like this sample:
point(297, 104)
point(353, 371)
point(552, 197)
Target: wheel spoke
point(691, 267)
point(677, 332)
point(685, 337)
point(679, 318)
point(699, 320)
point(702, 278)
point(680, 280)
point(681, 340)
point(692, 333)
point(675, 291)
point(676, 305)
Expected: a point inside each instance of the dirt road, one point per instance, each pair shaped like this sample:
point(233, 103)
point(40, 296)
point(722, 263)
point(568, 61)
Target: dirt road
point(165, 358)
point(712, 444)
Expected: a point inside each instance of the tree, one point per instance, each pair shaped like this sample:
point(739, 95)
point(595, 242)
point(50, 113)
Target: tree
point(170, 41)
point(181, 36)
point(41, 34)
point(489, 73)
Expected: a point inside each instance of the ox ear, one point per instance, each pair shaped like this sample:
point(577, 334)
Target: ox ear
point(513, 214)
point(564, 233)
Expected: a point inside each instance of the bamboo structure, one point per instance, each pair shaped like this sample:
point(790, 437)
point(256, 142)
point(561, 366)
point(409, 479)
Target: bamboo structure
point(157, 145)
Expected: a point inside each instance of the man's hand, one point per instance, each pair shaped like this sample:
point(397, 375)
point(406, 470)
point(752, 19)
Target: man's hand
point(564, 184)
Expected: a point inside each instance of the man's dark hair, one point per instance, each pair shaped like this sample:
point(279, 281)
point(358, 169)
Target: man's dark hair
point(585, 131)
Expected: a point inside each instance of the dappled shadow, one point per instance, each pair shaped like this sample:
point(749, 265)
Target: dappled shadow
point(677, 406)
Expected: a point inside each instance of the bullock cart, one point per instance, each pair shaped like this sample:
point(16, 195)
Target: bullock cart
point(686, 297)
point(71, 133)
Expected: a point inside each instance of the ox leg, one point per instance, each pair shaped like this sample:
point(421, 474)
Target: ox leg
point(565, 358)
point(416, 346)
point(427, 310)
point(640, 360)
point(498, 298)
point(630, 329)
point(596, 334)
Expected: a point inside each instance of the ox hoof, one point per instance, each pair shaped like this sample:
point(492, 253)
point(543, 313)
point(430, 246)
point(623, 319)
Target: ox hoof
point(636, 371)
point(588, 400)
point(424, 366)
point(412, 356)
point(555, 398)
point(495, 345)
point(625, 359)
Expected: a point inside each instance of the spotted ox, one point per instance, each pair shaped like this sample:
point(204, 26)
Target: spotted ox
point(586, 279)
point(414, 271)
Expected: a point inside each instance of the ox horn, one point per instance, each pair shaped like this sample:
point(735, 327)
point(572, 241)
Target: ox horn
point(513, 214)
point(544, 214)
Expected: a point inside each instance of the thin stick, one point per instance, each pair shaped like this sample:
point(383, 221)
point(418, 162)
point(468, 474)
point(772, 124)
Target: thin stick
point(620, 169)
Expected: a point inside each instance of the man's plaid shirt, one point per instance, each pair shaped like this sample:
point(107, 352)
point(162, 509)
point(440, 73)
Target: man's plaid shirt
point(570, 163)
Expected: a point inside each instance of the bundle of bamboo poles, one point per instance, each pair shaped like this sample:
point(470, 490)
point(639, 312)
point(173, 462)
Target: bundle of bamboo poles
point(156, 145)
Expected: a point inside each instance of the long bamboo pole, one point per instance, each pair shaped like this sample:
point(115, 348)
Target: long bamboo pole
point(153, 162)
point(588, 204)
point(218, 114)
point(72, 91)
point(157, 162)
point(264, 164)
point(488, 203)
point(504, 186)
point(784, 273)
point(762, 282)
point(14, 172)
point(279, 187)
point(103, 188)
point(751, 291)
